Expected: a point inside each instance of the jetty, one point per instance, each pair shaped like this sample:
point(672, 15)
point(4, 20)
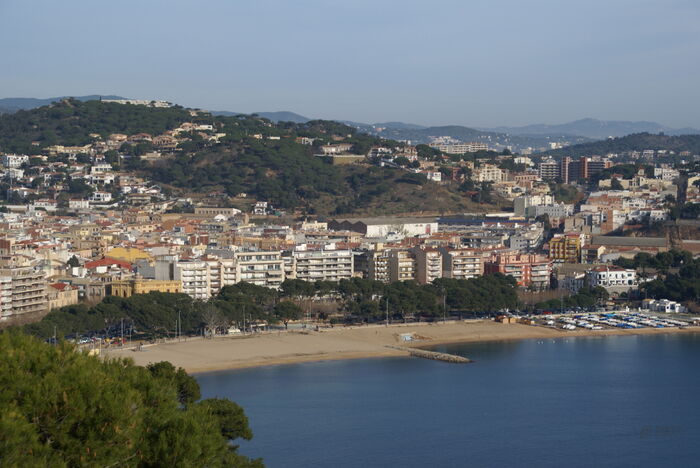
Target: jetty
point(434, 355)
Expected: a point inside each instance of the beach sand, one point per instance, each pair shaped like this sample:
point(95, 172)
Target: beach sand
point(262, 349)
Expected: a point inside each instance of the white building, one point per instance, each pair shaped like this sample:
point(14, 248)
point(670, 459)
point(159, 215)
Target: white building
point(101, 197)
point(78, 204)
point(548, 169)
point(527, 239)
point(532, 206)
point(262, 268)
point(323, 265)
point(612, 278)
point(489, 173)
point(14, 160)
point(460, 148)
point(663, 305)
point(666, 173)
point(380, 227)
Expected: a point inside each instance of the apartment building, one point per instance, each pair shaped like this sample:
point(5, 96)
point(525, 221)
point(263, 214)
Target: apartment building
point(14, 160)
point(22, 293)
point(428, 264)
point(527, 239)
point(521, 204)
point(548, 170)
point(566, 248)
point(194, 276)
point(203, 277)
point(462, 263)
point(323, 265)
point(262, 268)
point(489, 173)
point(376, 264)
point(529, 270)
point(401, 265)
point(460, 148)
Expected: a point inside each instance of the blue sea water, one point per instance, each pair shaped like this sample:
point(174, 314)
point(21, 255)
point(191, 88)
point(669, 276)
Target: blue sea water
point(631, 401)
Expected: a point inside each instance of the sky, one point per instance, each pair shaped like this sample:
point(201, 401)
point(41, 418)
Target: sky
point(480, 63)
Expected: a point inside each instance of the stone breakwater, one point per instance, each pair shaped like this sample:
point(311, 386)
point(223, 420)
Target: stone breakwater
point(425, 354)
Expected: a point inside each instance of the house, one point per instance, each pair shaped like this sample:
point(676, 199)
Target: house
point(61, 295)
point(261, 208)
point(48, 205)
point(613, 278)
point(101, 197)
point(78, 204)
point(106, 264)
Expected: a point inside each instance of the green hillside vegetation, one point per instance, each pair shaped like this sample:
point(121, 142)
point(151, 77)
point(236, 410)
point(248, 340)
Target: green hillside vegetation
point(634, 142)
point(155, 314)
point(63, 408)
point(281, 171)
point(71, 122)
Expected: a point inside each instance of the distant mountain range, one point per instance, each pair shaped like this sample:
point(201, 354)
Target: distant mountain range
point(11, 105)
point(595, 129)
point(418, 134)
point(634, 142)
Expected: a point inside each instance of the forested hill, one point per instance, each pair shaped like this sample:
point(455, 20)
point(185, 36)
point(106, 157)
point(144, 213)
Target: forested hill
point(634, 142)
point(71, 122)
point(241, 154)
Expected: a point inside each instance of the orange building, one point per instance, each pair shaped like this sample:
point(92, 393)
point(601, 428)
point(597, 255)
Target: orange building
point(529, 270)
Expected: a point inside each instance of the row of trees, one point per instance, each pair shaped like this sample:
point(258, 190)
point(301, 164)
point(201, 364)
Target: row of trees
point(678, 274)
point(161, 314)
point(661, 261)
point(585, 297)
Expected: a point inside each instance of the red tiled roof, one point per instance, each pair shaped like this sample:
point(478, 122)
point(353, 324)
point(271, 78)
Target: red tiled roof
point(108, 261)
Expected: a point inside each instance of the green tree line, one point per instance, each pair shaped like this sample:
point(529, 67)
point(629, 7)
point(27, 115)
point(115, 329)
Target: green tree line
point(159, 314)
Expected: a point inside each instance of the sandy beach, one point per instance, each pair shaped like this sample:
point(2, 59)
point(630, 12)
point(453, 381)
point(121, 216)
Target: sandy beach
point(262, 349)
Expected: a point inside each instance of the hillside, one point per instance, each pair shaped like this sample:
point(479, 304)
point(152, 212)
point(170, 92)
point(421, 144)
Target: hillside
point(10, 105)
point(70, 122)
point(636, 142)
point(289, 176)
point(279, 116)
point(256, 157)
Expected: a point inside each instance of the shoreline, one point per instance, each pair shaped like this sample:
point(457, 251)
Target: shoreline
point(197, 355)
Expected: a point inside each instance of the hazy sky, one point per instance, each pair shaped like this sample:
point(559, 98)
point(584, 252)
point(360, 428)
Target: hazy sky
point(468, 62)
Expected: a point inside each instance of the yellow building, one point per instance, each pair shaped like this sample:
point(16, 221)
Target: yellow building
point(61, 295)
point(129, 254)
point(128, 288)
point(566, 248)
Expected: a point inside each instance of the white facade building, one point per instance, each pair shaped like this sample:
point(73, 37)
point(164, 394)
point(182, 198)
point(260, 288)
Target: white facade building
point(612, 278)
point(323, 265)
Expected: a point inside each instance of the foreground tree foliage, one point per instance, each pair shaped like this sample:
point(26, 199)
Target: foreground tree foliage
point(63, 408)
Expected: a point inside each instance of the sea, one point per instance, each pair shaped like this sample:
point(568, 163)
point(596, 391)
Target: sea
point(618, 401)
